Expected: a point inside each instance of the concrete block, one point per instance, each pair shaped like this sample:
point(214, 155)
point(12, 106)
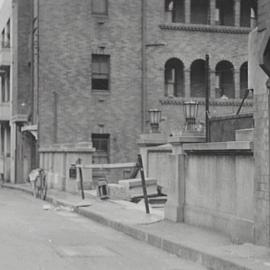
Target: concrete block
point(244, 134)
point(137, 182)
point(133, 187)
point(118, 192)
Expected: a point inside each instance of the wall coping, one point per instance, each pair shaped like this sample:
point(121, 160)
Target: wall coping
point(232, 147)
point(201, 101)
point(151, 139)
point(161, 148)
point(186, 139)
point(83, 147)
point(205, 28)
point(231, 116)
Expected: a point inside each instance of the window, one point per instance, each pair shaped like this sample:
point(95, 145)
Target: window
point(200, 10)
point(177, 9)
point(3, 34)
point(174, 78)
point(225, 12)
point(197, 78)
point(225, 78)
point(243, 79)
point(100, 7)
point(100, 72)
point(5, 87)
point(8, 33)
point(248, 13)
point(102, 144)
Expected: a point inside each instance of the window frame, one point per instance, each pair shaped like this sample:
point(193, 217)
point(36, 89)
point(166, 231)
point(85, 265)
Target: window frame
point(108, 57)
point(101, 138)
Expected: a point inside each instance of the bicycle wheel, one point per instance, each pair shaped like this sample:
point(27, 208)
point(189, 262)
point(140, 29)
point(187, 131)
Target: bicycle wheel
point(34, 189)
point(43, 188)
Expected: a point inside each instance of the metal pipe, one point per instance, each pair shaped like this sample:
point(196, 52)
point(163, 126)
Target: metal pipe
point(143, 67)
point(207, 131)
point(243, 100)
point(38, 101)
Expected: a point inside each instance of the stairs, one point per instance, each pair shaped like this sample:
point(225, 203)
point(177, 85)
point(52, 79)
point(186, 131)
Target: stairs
point(157, 202)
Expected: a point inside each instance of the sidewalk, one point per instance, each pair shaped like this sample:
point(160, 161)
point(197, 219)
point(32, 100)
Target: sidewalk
point(211, 250)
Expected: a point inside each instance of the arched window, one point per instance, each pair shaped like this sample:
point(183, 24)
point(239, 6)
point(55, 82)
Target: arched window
point(200, 11)
point(177, 10)
point(225, 80)
point(243, 79)
point(174, 78)
point(248, 13)
point(225, 12)
point(197, 78)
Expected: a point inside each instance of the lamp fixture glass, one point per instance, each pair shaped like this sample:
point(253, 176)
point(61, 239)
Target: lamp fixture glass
point(190, 112)
point(154, 118)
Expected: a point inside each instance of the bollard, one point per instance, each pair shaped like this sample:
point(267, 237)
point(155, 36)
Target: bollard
point(140, 167)
point(78, 162)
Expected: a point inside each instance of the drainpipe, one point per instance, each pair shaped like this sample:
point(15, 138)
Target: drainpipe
point(38, 102)
point(143, 68)
point(207, 127)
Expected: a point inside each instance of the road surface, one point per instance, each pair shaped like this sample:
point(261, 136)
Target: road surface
point(57, 239)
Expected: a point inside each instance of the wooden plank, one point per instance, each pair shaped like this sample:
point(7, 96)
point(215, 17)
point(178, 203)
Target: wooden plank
point(108, 166)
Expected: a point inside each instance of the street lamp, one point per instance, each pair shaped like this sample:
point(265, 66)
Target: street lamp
point(190, 112)
point(154, 118)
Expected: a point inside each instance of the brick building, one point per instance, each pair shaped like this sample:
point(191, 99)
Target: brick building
point(18, 148)
point(259, 50)
point(5, 116)
point(90, 70)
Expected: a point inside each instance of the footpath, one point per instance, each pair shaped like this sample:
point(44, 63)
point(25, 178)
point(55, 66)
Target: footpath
point(210, 249)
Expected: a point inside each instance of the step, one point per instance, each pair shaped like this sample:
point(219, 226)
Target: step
point(157, 205)
point(158, 200)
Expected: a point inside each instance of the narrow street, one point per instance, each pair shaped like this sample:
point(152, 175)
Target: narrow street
point(33, 238)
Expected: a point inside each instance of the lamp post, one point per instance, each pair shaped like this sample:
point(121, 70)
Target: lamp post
point(190, 112)
point(154, 118)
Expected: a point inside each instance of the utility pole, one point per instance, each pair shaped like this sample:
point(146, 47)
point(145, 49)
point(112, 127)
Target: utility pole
point(207, 130)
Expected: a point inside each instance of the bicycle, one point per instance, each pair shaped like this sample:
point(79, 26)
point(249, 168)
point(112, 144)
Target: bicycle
point(39, 184)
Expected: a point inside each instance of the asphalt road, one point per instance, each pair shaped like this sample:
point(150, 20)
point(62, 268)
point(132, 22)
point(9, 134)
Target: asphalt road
point(57, 239)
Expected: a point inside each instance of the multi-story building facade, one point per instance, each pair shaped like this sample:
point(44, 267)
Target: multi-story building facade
point(259, 51)
point(90, 70)
point(5, 95)
point(114, 61)
point(18, 151)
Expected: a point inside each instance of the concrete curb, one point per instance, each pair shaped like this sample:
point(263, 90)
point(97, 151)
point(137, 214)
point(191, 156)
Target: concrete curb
point(209, 261)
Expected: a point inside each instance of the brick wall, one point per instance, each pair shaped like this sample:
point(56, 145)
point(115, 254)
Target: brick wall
point(69, 34)
point(261, 137)
point(188, 45)
point(65, 68)
point(263, 14)
point(22, 20)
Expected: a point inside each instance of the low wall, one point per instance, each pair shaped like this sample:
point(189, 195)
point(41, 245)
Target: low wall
point(219, 182)
point(223, 128)
point(56, 161)
point(207, 184)
point(157, 164)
